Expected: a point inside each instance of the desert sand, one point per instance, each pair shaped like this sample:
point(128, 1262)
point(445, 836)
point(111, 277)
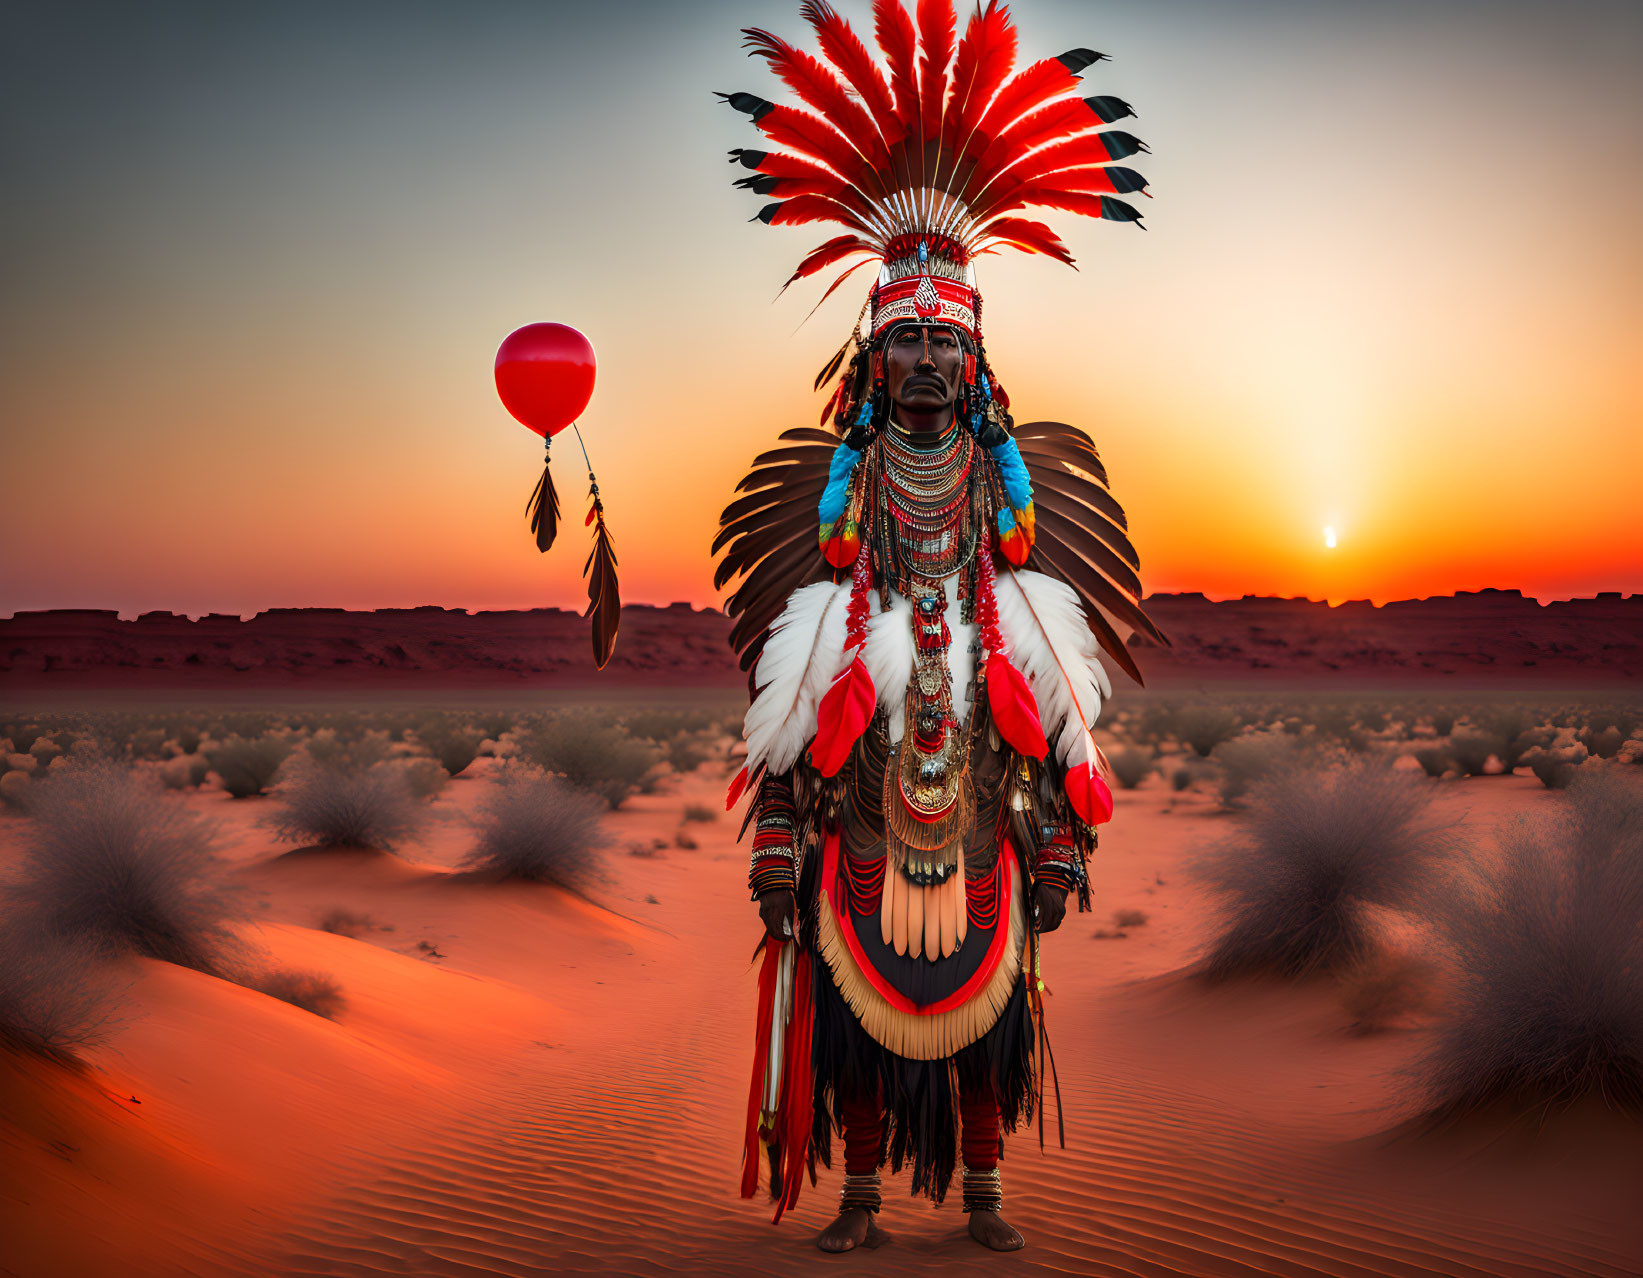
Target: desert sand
point(524, 1081)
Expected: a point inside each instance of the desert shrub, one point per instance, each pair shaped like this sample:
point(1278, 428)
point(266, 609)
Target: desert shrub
point(1203, 727)
point(592, 755)
point(184, 772)
point(348, 749)
point(1555, 766)
point(55, 997)
point(336, 805)
point(187, 736)
point(1604, 743)
point(662, 725)
point(1323, 845)
point(454, 745)
point(1434, 760)
point(1246, 760)
point(699, 812)
point(111, 862)
point(21, 735)
point(1130, 765)
point(425, 776)
point(343, 922)
point(1547, 944)
point(1471, 751)
point(686, 753)
point(1181, 779)
point(1443, 721)
point(44, 751)
point(534, 826)
point(684, 839)
point(248, 765)
point(1128, 918)
point(313, 992)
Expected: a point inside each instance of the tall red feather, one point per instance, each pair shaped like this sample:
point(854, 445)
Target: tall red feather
point(805, 133)
point(844, 49)
point(820, 88)
point(894, 31)
point(937, 27)
point(985, 57)
point(824, 255)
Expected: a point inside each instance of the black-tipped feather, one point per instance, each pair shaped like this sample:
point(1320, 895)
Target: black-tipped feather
point(543, 510)
point(604, 595)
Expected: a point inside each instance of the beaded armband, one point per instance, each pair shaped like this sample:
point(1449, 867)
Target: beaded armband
point(773, 863)
point(1060, 860)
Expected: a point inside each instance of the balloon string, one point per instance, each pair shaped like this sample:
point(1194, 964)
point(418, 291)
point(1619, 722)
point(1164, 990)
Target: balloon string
point(584, 449)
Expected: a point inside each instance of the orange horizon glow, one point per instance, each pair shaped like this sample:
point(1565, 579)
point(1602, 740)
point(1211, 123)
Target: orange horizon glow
point(248, 351)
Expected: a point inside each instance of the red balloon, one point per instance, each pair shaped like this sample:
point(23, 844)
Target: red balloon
point(544, 374)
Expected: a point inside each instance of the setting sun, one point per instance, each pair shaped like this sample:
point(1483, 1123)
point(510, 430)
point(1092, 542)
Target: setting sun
point(1329, 536)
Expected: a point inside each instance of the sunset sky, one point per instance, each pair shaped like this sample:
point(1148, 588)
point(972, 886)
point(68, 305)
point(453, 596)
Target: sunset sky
point(258, 258)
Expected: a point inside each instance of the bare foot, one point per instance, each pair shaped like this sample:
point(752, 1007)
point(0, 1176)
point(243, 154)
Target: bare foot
point(991, 1230)
point(857, 1227)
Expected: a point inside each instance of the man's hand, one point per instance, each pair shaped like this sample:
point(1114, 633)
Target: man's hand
point(1050, 904)
point(776, 909)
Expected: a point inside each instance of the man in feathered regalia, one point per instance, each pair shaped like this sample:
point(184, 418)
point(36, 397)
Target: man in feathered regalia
point(921, 614)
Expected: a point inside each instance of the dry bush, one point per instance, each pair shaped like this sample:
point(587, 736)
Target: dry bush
point(351, 747)
point(425, 777)
point(248, 765)
point(314, 992)
point(342, 922)
point(535, 826)
point(684, 839)
point(1605, 743)
point(1129, 918)
point(184, 772)
point(1442, 721)
point(335, 805)
point(1434, 760)
point(699, 812)
point(592, 755)
point(1323, 845)
point(1130, 765)
point(21, 735)
point(1247, 760)
point(1203, 727)
point(1471, 751)
point(455, 745)
point(55, 997)
point(1555, 765)
point(1547, 945)
point(1181, 779)
point(111, 862)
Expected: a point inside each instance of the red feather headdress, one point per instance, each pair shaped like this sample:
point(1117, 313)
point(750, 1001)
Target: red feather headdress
point(923, 162)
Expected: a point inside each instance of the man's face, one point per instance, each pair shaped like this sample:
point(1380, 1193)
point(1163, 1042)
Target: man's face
point(923, 367)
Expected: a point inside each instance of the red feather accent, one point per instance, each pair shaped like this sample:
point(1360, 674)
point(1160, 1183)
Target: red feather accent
point(894, 31)
point(1015, 709)
point(820, 88)
point(937, 27)
point(1089, 795)
point(843, 48)
point(1030, 237)
point(842, 717)
point(782, 165)
point(736, 788)
point(1047, 124)
point(843, 275)
point(761, 1062)
point(824, 255)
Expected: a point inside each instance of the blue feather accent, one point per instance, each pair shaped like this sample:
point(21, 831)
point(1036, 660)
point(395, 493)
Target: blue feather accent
point(1018, 484)
point(1006, 522)
point(837, 493)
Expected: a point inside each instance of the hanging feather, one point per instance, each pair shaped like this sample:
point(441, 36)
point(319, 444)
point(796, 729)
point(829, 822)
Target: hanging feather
point(604, 597)
point(543, 510)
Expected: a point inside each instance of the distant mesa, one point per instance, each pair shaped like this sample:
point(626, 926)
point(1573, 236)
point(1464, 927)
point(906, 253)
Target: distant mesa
point(1257, 638)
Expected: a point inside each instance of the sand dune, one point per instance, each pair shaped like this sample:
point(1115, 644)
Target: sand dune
point(557, 1088)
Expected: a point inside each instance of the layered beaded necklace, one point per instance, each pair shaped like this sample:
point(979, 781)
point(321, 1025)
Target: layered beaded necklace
point(931, 532)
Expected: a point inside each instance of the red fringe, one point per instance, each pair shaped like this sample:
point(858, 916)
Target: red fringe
point(761, 1056)
point(796, 1112)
